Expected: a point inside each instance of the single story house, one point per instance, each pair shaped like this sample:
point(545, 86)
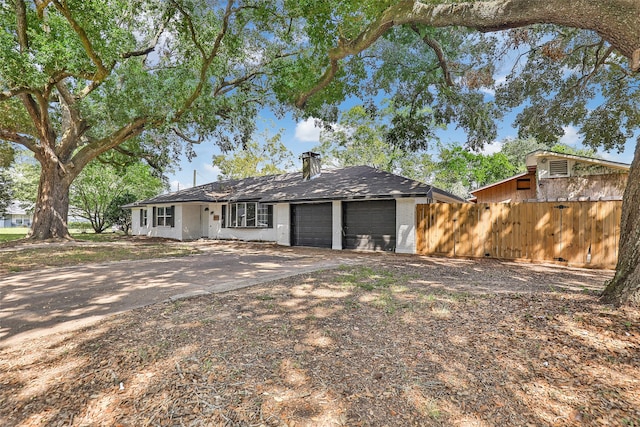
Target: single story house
point(16, 216)
point(552, 176)
point(357, 207)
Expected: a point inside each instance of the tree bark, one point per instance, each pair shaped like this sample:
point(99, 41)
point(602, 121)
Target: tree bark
point(52, 206)
point(625, 286)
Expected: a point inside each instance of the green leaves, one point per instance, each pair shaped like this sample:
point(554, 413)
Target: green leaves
point(255, 159)
point(98, 190)
point(460, 170)
point(572, 77)
point(362, 137)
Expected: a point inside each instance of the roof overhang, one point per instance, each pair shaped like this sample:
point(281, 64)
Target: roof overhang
point(511, 178)
point(532, 159)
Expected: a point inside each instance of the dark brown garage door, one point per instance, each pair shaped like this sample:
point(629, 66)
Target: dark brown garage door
point(311, 225)
point(370, 225)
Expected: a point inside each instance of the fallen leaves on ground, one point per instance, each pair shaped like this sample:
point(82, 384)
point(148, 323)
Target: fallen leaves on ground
point(402, 341)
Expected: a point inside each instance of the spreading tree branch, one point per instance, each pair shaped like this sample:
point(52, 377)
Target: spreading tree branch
point(437, 49)
point(96, 147)
point(495, 15)
point(144, 52)
point(21, 18)
point(149, 158)
point(186, 138)
point(102, 71)
point(8, 94)
point(25, 141)
point(207, 59)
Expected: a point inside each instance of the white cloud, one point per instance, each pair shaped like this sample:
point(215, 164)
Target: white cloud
point(307, 131)
point(492, 148)
point(212, 171)
point(571, 136)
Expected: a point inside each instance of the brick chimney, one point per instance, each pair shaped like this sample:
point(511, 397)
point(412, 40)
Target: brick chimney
point(310, 165)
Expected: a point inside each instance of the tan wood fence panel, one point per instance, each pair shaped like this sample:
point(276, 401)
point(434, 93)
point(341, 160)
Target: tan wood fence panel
point(578, 233)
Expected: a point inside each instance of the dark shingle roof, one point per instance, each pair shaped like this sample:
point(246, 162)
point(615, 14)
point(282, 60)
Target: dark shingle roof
point(356, 182)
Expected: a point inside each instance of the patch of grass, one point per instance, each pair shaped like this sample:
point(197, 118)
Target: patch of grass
point(432, 410)
point(368, 278)
point(386, 302)
point(265, 297)
point(13, 233)
point(351, 304)
point(62, 256)
point(101, 237)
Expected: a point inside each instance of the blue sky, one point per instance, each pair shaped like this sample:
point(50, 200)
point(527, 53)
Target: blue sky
point(302, 136)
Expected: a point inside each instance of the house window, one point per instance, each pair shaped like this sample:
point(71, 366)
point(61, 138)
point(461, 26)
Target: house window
point(144, 218)
point(249, 214)
point(558, 168)
point(265, 216)
point(523, 184)
point(163, 216)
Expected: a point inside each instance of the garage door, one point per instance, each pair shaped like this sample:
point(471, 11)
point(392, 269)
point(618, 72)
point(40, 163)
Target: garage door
point(370, 225)
point(311, 225)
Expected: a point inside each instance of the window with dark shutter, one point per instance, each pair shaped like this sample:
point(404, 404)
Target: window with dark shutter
point(269, 216)
point(155, 216)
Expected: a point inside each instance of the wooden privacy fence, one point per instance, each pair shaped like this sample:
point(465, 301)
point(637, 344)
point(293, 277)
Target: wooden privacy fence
point(579, 233)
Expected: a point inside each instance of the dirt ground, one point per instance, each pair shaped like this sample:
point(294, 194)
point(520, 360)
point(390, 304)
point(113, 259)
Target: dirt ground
point(393, 341)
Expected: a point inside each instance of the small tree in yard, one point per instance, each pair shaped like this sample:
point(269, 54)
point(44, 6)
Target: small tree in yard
point(116, 215)
point(100, 188)
point(570, 54)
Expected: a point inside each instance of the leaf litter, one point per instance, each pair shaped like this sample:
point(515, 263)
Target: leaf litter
point(394, 341)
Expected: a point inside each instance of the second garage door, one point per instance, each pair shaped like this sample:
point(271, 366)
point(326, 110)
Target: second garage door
point(311, 225)
point(370, 225)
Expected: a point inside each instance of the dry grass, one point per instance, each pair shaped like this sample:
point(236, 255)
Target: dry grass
point(396, 344)
point(19, 256)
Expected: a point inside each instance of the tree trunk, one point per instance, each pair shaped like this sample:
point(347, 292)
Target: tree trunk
point(52, 206)
point(625, 286)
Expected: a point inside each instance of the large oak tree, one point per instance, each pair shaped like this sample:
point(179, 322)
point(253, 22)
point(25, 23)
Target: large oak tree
point(569, 53)
point(147, 78)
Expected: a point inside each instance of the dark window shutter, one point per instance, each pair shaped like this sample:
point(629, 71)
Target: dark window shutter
point(141, 218)
point(224, 216)
point(172, 218)
point(270, 216)
point(155, 217)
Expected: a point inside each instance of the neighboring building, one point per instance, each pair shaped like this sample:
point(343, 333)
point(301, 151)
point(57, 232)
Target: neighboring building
point(352, 208)
point(554, 176)
point(15, 216)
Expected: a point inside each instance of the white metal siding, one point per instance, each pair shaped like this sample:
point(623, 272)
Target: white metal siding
point(406, 226)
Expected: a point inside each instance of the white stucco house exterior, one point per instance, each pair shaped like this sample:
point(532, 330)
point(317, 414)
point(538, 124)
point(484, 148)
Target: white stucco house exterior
point(350, 208)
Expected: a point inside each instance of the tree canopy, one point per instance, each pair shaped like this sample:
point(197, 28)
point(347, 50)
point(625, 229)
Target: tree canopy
point(255, 159)
point(146, 78)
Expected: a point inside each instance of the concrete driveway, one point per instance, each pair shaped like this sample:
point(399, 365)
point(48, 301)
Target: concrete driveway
point(45, 302)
